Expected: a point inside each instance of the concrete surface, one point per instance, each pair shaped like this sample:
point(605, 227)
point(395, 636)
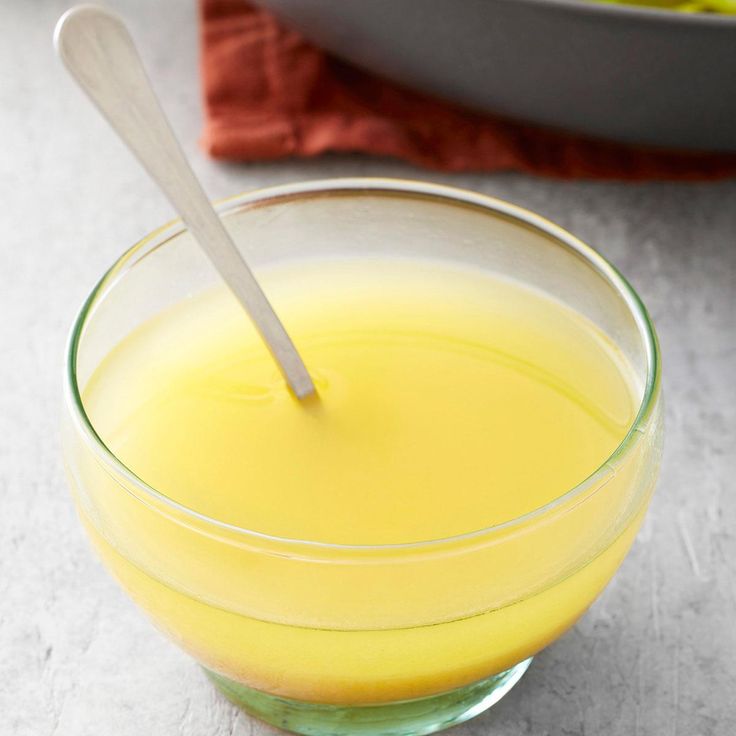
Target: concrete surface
point(656, 655)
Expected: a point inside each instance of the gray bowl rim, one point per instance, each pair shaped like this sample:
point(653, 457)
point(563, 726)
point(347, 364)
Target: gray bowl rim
point(622, 11)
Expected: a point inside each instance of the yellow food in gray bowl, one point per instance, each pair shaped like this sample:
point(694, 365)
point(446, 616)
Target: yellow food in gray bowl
point(687, 6)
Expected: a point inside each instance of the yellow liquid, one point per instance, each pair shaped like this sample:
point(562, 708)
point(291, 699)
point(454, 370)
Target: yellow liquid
point(449, 401)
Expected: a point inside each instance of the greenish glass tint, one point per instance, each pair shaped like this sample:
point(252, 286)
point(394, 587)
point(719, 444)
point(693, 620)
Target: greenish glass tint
point(401, 718)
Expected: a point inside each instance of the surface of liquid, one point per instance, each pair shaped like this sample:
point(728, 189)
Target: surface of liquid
point(448, 401)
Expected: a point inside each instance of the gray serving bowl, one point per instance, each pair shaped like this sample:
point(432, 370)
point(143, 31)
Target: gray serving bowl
point(623, 73)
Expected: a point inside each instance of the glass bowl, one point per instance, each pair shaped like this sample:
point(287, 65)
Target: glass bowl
point(433, 632)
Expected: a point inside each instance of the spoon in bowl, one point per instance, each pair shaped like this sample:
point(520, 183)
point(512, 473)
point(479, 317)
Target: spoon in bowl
point(99, 53)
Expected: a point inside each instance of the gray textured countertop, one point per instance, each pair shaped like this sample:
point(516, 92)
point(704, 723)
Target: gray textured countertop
point(655, 656)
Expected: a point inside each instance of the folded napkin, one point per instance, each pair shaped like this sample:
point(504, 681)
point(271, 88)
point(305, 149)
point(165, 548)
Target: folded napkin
point(269, 94)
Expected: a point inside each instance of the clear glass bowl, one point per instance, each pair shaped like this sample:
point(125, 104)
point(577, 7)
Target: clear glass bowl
point(439, 630)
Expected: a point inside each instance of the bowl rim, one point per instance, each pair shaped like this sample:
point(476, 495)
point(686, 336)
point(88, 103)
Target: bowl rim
point(624, 11)
point(357, 186)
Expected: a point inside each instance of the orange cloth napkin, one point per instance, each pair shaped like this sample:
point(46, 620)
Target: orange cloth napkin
point(269, 94)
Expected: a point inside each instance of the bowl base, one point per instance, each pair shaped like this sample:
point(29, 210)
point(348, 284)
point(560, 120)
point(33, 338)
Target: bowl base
point(401, 718)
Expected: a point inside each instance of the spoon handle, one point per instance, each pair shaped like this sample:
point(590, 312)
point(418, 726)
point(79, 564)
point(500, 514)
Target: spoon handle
point(98, 51)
